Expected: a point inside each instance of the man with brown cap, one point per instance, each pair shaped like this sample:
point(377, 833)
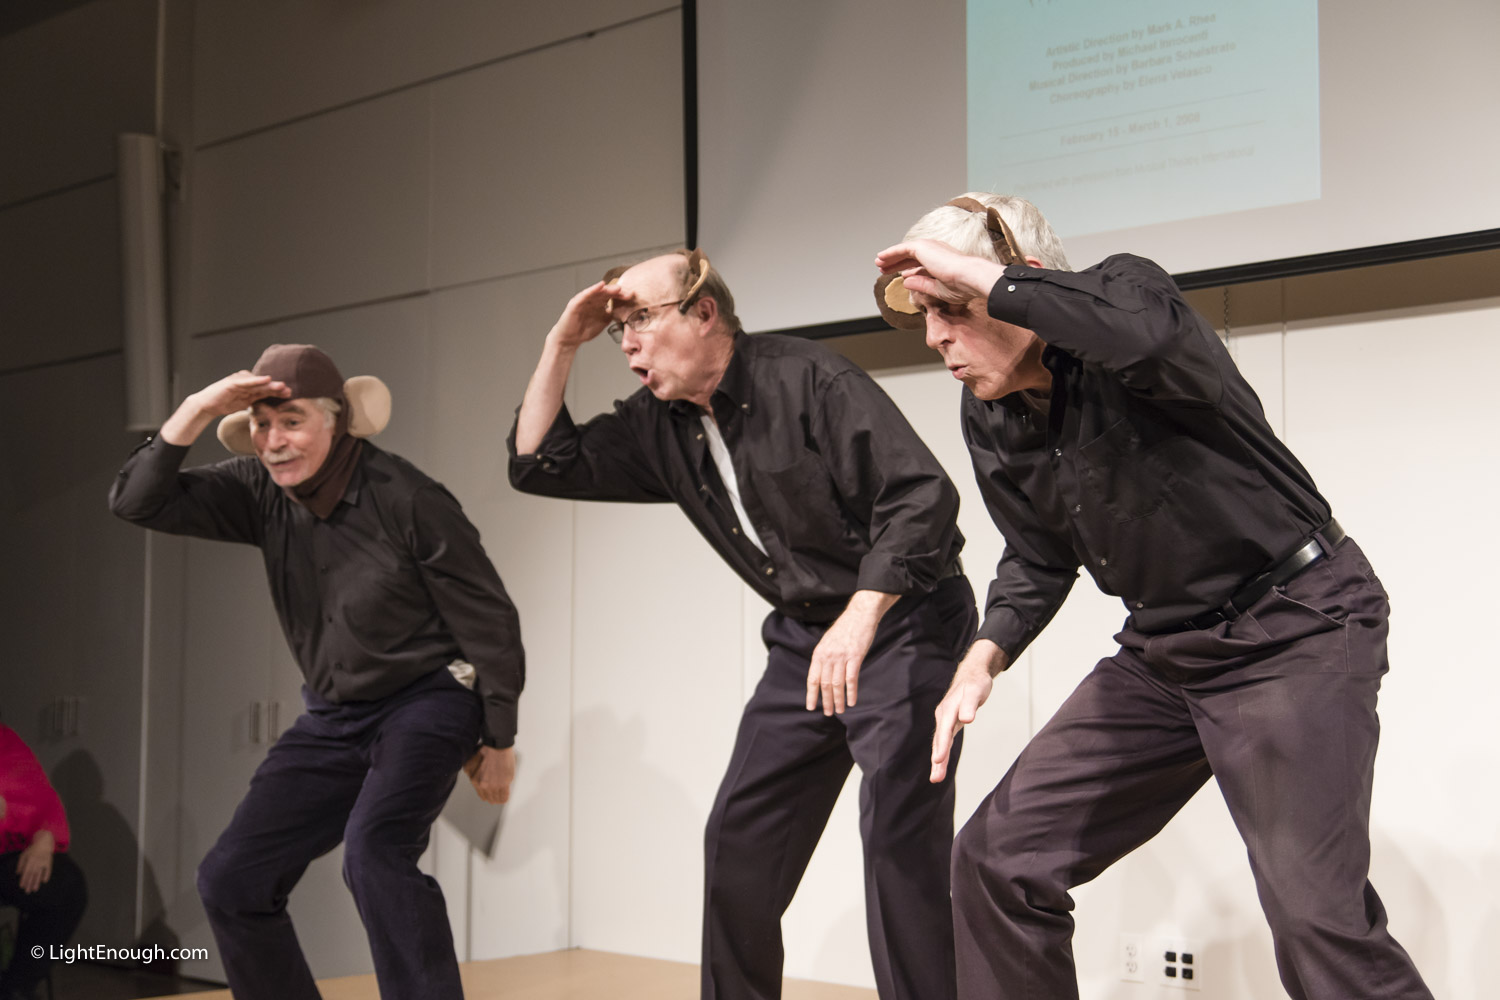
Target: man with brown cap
point(408, 642)
point(809, 482)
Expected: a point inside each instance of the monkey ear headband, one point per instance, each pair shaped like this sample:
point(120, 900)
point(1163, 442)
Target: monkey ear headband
point(896, 306)
point(697, 268)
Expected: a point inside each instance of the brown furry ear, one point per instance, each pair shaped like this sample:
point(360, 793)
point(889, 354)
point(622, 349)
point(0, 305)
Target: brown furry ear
point(895, 303)
point(1000, 235)
point(698, 270)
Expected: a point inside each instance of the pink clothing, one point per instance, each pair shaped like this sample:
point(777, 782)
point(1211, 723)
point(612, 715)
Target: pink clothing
point(31, 804)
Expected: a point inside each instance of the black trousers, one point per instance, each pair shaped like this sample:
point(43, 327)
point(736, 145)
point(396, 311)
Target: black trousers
point(1278, 705)
point(784, 776)
point(48, 918)
point(373, 775)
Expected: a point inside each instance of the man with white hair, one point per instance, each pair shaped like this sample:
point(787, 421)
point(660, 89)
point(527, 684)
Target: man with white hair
point(810, 484)
point(410, 647)
point(1110, 429)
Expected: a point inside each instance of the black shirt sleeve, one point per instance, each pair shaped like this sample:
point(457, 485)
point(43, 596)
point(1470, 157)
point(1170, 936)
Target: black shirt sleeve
point(212, 501)
point(878, 462)
point(1126, 316)
point(474, 605)
point(598, 461)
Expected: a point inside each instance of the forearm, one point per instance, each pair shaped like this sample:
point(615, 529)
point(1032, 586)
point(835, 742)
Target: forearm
point(869, 606)
point(189, 420)
point(985, 655)
point(544, 395)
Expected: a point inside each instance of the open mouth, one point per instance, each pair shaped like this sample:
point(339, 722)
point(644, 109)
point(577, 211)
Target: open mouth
point(641, 372)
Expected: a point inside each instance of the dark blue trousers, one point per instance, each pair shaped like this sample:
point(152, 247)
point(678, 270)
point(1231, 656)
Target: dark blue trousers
point(373, 775)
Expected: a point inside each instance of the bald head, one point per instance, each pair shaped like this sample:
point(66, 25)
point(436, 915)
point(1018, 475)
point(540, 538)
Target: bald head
point(668, 278)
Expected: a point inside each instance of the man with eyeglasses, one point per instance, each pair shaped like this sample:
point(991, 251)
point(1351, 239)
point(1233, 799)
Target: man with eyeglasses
point(808, 481)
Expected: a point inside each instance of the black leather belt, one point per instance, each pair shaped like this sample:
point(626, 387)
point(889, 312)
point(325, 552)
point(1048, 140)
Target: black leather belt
point(1257, 587)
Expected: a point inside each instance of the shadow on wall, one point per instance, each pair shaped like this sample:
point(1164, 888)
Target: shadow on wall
point(106, 849)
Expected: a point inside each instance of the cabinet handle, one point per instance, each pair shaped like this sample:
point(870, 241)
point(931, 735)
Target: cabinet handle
point(274, 729)
point(255, 722)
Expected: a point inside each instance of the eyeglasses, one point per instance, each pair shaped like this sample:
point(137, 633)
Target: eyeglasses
point(639, 320)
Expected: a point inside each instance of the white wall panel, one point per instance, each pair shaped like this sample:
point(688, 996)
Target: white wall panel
point(67, 85)
point(566, 154)
point(1394, 414)
point(307, 57)
point(60, 295)
point(319, 214)
point(486, 339)
point(657, 662)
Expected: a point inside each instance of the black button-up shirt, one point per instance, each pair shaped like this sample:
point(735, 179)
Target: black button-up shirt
point(840, 489)
point(1153, 467)
point(392, 586)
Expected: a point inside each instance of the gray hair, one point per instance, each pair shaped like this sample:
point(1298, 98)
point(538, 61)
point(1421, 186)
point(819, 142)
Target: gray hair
point(330, 407)
point(966, 232)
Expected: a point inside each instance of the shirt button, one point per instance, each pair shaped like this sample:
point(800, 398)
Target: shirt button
point(700, 437)
point(807, 604)
point(1057, 452)
point(1140, 604)
point(734, 531)
point(1010, 288)
point(1077, 507)
point(770, 570)
point(744, 406)
point(1103, 562)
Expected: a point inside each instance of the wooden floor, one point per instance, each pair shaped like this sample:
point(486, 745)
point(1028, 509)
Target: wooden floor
point(576, 975)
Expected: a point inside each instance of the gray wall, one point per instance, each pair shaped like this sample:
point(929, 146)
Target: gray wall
point(72, 592)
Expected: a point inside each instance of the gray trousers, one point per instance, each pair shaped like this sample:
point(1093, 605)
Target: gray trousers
point(1279, 705)
point(786, 772)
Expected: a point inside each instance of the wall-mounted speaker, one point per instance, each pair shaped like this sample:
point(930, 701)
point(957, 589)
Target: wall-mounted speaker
point(143, 272)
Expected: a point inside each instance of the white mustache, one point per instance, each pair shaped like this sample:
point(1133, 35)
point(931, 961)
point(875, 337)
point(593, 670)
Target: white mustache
point(283, 455)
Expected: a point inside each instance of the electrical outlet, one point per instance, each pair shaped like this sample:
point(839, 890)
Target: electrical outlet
point(1179, 963)
point(1132, 959)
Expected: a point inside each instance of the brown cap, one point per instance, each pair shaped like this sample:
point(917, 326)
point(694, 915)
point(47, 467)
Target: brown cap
point(311, 374)
point(305, 369)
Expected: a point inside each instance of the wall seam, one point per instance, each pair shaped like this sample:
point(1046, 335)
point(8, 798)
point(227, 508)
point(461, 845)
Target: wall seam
point(429, 80)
